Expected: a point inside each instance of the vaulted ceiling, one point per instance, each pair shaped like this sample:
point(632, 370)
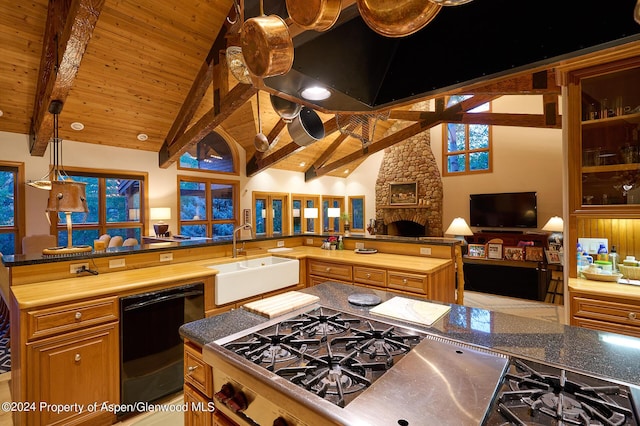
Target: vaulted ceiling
point(157, 67)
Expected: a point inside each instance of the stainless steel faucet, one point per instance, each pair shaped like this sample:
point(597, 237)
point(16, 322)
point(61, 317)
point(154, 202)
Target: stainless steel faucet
point(234, 252)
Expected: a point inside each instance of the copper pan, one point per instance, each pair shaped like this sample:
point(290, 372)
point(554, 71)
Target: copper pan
point(318, 15)
point(267, 47)
point(397, 18)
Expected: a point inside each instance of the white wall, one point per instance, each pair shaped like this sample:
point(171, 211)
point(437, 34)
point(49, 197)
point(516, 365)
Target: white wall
point(525, 159)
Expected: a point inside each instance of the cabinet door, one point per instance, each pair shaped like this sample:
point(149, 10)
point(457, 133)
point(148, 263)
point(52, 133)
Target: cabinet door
point(199, 409)
point(609, 132)
point(76, 368)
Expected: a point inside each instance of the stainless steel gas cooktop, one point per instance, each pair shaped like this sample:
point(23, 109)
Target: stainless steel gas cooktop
point(346, 369)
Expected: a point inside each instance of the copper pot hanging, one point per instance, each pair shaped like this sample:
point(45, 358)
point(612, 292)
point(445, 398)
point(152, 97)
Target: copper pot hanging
point(317, 15)
point(397, 18)
point(267, 47)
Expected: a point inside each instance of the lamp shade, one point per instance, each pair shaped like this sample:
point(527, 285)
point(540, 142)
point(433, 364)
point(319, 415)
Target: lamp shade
point(333, 212)
point(67, 196)
point(160, 213)
point(458, 227)
point(555, 224)
point(311, 213)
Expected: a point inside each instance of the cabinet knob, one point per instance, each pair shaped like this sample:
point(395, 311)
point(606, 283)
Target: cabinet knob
point(78, 315)
point(328, 269)
point(368, 275)
point(632, 315)
point(191, 368)
point(404, 281)
point(77, 358)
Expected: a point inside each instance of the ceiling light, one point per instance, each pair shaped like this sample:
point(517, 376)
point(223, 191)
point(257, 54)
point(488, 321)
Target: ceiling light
point(302, 164)
point(315, 93)
point(346, 171)
point(76, 125)
point(142, 137)
point(1, 113)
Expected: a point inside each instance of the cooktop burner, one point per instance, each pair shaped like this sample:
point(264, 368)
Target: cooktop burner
point(327, 352)
point(537, 394)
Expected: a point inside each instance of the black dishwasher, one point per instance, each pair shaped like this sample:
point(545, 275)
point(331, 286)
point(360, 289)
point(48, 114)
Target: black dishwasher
point(151, 350)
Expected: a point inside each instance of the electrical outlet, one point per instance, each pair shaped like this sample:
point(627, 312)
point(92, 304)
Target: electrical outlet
point(75, 267)
point(359, 245)
point(166, 257)
point(425, 250)
point(309, 241)
point(117, 263)
point(280, 243)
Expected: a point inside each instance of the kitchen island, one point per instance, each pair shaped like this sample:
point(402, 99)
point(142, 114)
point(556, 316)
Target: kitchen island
point(582, 350)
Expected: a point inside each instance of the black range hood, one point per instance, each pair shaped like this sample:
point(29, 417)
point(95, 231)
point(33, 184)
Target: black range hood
point(462, 45)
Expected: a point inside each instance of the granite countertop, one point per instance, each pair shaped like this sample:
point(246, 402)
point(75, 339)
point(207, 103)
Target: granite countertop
point(576, 348)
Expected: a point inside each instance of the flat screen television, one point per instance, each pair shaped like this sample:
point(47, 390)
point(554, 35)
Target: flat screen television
point(505, 210)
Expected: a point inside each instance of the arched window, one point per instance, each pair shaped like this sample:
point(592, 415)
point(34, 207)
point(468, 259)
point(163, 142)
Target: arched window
point(213, 153)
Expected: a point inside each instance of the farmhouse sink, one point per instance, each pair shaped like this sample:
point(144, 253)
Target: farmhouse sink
point(247, 278)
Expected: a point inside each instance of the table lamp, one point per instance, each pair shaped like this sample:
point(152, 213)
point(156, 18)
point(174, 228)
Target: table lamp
point(160, 214)
point(459, 229)
point(333, 213)
point(555, 225)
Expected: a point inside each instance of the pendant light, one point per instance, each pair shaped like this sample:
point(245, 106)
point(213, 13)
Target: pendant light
point(65, 195)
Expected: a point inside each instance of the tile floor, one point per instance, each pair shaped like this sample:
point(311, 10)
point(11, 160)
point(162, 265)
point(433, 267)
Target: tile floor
point(521, 307)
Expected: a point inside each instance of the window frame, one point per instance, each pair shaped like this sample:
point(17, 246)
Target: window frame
point(269, 197)
point(234, 154)
point(19, 209)
point(102, 225)
point(209, 222)
point(364, 212)
point(332, 199)
point(467, 151)
point(304, 199)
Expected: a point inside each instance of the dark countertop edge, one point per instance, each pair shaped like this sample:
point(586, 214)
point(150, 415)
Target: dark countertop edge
point(22, 260)
point(575, 348)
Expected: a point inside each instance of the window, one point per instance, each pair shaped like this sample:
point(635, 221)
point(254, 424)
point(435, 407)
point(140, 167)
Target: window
point(331, 224)
point(356, 213)
point(212, 154)
point(468, 146)
point(305, 218)
point(11, 207)
point(208, 207)
point(117, 202)
point(271, 217)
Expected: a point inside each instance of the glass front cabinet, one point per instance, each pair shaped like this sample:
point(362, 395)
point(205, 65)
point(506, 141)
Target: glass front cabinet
point(610, 120)
point(602, 103)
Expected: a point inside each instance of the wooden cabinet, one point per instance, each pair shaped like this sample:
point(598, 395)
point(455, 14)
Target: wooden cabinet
point(605, 313)
point(198, 387)
point(75, 368)
point(414, 283)
point(370, 276)
point(70, 356)
point(432, 285)
point(603, 122)
point(331, 270)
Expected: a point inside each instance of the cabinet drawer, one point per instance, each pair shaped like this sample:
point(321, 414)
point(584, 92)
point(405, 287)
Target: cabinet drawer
point(606, 326)
point(606, 310)
point(197, 372)
point(338, 271)
point(62, 319)
point(415, 283)
point(371, 276)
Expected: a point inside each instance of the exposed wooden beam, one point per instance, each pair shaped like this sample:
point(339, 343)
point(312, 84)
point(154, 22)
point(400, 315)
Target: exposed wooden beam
point(240, 94)
point(392, 139)
point(518, 120)
point(311, 171)
point(69, 27)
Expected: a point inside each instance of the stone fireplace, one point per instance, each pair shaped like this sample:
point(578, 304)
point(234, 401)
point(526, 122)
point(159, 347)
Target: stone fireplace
point(410, 161)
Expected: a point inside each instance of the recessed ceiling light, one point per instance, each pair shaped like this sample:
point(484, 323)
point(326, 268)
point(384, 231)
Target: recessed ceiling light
point(1, 113)
point(346, 171)
point(142, 137)
point(315, 93)
point(302, 164)
point(76, 125)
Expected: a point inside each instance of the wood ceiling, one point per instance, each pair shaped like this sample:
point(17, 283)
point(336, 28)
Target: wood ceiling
point(155, 67)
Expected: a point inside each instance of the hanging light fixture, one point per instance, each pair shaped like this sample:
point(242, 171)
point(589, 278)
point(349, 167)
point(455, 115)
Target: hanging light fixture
point(65, 195)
